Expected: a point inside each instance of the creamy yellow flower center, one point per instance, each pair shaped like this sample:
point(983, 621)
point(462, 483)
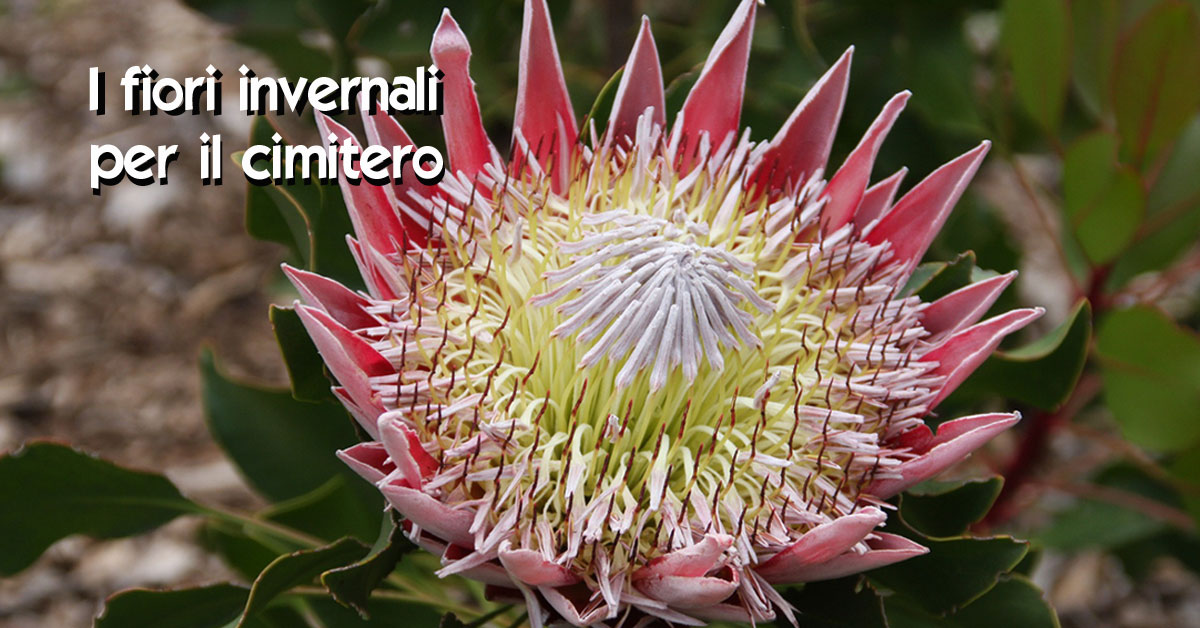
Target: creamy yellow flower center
point(652, 355)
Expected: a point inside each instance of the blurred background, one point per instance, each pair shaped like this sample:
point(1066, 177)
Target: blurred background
point(1092, 191)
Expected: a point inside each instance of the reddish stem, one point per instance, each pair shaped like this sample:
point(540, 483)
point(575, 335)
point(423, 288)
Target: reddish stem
point(1043, 424)
point(1095, 289)
point(1033, 443)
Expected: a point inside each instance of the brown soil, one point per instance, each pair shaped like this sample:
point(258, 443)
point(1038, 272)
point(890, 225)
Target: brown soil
point(106, 301)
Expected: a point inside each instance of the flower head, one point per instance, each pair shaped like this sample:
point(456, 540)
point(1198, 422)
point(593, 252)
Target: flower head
point(650, 370)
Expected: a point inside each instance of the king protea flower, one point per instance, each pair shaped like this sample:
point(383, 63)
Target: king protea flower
point(655, 369)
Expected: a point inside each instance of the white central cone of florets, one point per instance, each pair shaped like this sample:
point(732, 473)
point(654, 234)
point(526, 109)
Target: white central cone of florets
point(665, 297)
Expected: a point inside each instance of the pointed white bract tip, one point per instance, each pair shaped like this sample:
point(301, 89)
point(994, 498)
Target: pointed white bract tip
point(293, 274)
point(449, 42)
point(975, 156)
point(330, 128)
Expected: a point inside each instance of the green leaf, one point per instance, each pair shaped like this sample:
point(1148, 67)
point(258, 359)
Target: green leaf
point(273, 217)
point(270, 215)
point(1042, 373)
point(248, 555)
point(1108, 226)
point(306, 369)
point(1154, 86)
point(1158, 249)
point(204, 607)
point(933, 280)
point(1151, 371)
point(1028, 564)
point(279, 616)
point(1088, 168)
point(1107, 521)
point(284, 447)
point(942, 511)
point(843, 603)
point(1103, 200)
point(1177, 187)
point(1014, 601)
point(602, 106)
point(1096, 524)
point(953, 573)
point(298, 568)
point(1037, 40)
point(352, 585)
point(345, 505)
point(678, 88)
point(51, 491)
point(1186, 468)
point(385, 613)
point(330, 225)
point(307, 216)
point(921, 276)
point(1172, 222)
point(1094, 29)
point(286, 450)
